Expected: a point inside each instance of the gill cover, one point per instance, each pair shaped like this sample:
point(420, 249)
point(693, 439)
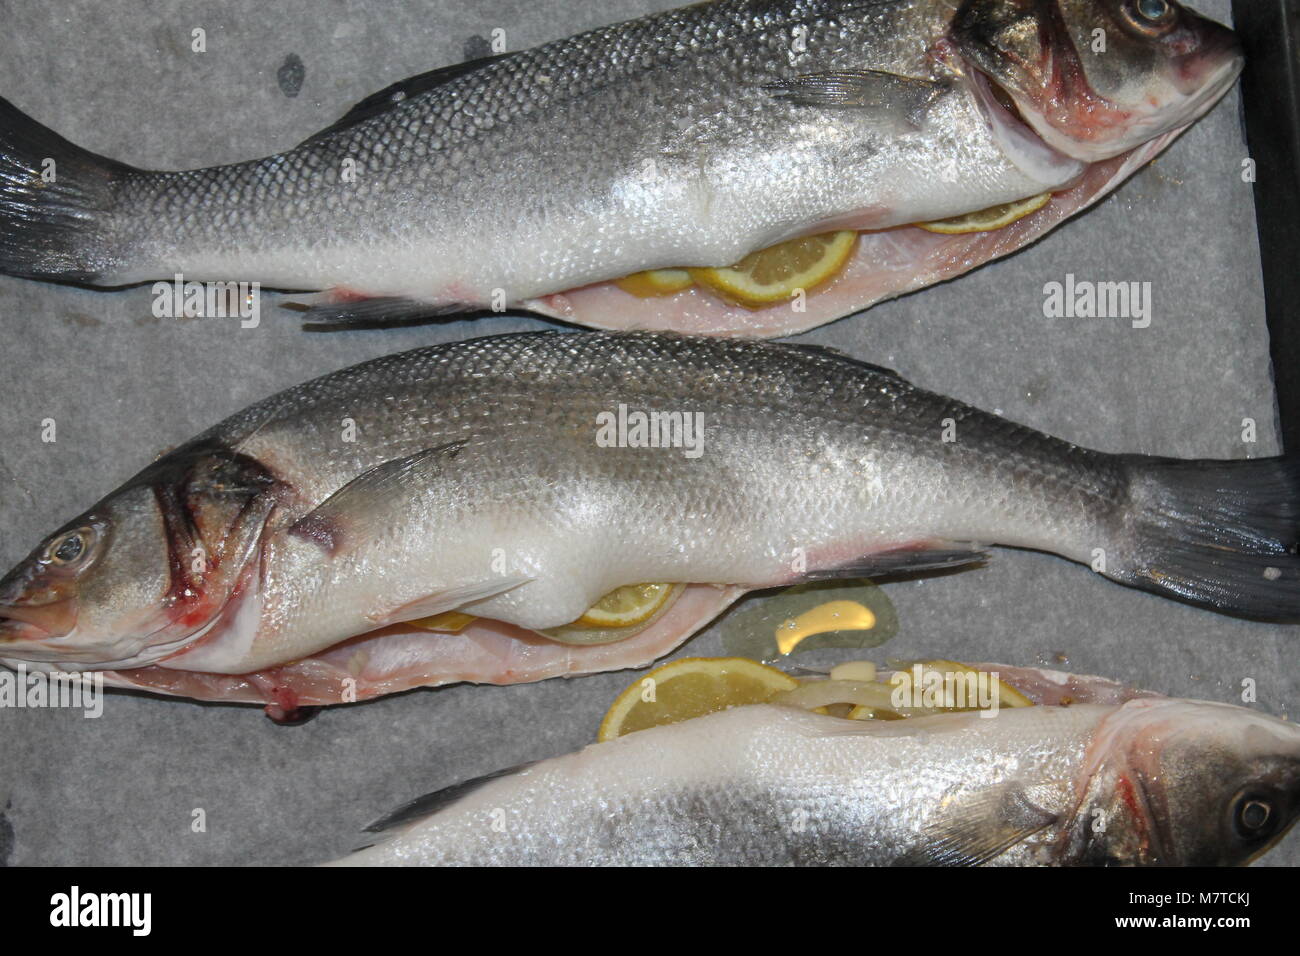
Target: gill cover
point(1097, 78)
point(1188, 783)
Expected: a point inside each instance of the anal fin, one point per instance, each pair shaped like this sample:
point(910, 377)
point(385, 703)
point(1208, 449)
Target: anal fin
point(931, 556)
point(431, 803)
point(373, 313)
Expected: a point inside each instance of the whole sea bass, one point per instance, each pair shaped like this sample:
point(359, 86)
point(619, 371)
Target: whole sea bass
point(1115, 778)
point(281, 555)
point(687, 138)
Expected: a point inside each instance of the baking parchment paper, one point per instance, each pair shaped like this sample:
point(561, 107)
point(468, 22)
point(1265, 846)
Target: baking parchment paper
point(119, 77)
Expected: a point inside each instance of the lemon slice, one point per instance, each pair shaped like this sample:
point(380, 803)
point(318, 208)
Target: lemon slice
point(871, 713)
point(1005, 694)
point(623, 607)
point(987, 220)
point(450, 622)
point(692, 687)
point(1008, 696)
point(776, 274)
point(618, 615)
point(854, 670)
point(657, 282)
point(626, 606)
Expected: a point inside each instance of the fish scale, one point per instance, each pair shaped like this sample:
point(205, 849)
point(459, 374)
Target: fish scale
point(479, 479)
point(687, 138)
point(684, 138)
point(766, 785)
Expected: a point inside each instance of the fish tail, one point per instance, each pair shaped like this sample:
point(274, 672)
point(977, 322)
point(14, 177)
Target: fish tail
point(1221, 534)
point(55, 198)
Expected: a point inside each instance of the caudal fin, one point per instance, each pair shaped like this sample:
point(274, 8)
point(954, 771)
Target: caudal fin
point(1222, 534)
point(54, 197)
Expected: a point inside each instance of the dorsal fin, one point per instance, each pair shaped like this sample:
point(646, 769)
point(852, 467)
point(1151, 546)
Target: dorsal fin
point(431, 803)
point(827, 351)
point(390, 96)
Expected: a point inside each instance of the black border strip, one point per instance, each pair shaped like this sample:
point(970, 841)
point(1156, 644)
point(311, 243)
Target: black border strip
point(514, 910)
point(1270, 30)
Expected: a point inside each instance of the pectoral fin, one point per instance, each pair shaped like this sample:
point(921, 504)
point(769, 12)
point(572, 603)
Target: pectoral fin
point(903, 99)
point(370, 503)
point(340, 520)
point(973, 828)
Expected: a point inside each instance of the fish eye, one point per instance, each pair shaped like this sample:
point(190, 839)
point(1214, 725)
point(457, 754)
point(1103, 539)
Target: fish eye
point(69, 548)
point(1150, 16)
point(1253, 816)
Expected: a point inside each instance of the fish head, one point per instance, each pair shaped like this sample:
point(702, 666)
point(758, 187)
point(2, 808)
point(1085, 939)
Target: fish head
point(140, 574)
point(1096, 78)
point(96, 579)
point(1192, 783)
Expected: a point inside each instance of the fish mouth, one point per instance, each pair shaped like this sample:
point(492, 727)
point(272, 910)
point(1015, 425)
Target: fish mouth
point(21, 639)
point(47, 634)
point(43, 622)
point(29, 644)
point(1095, 129)
point(1215, 66)
point(1219, 82)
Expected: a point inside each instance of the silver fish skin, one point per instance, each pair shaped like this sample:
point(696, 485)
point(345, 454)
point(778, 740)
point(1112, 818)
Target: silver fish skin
point(492, 476)
point(686, 138)
point(1176, 783)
